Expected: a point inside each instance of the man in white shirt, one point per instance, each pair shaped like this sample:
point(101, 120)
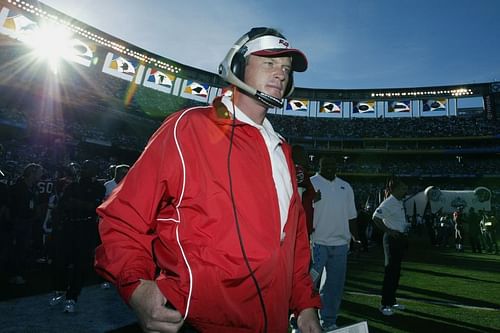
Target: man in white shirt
point(390, 217)
point(120, 172)
point(334, 223)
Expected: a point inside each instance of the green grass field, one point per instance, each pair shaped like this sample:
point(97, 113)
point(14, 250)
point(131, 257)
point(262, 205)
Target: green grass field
point(444, 291)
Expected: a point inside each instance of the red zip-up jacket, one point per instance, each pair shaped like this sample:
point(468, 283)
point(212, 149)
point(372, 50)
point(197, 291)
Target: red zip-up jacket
point(171, 220)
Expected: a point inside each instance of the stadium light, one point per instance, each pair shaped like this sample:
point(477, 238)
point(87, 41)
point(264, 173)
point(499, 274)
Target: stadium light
point(88, 34)
point(52, 43)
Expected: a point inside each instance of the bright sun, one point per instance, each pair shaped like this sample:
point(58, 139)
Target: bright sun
point(51, 43)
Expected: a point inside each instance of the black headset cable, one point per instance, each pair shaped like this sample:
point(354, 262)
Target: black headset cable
point(233, 201)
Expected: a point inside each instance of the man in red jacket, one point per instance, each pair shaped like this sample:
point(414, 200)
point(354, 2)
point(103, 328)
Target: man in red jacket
point(207, 228)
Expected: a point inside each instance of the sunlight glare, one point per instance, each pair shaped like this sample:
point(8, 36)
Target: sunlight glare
point(51, 42)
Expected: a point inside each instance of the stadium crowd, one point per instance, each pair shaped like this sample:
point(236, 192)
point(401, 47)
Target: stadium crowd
point(453, 126)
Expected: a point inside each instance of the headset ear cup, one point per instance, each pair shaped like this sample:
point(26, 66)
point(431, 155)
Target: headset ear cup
point(238, 66)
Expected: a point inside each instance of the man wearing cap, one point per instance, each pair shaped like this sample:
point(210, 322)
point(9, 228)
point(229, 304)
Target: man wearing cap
point(216, 239)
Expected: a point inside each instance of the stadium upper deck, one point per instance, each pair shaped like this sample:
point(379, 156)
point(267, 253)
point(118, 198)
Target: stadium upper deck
point(151, 79)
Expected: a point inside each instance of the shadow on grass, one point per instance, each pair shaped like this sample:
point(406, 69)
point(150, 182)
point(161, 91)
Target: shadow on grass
point(448, 275)
point(438, 296)
point(420, 253)
point(408, 321)
point(417, 294)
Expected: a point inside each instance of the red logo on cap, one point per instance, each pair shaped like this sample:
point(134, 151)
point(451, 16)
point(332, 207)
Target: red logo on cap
point(284, 42)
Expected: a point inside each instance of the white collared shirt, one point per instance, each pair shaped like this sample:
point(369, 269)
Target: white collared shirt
point(281, 173)
point(391, 211)
point(333, 211)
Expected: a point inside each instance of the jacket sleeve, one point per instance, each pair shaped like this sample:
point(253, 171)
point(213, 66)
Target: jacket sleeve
point(304, 295)
point(128, 216)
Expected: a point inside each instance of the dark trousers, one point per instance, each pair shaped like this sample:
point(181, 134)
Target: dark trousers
point(20, 246)
point(74, 244)
point(491, 240)
point(475, 242)
point(362, 235)
point(431, 232)
point(394, 250)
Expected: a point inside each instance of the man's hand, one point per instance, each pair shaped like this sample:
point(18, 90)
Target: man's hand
point(308, 321)
point(148, 303)
point(356, 244)
point(317, 196)
point(394, 233)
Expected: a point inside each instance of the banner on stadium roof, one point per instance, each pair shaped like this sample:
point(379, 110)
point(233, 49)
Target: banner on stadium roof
point(434, 107)
point(271, 110)
point(159, 80)
point(15, 25)
point(123, 68)
point(397, 108)
point(81, 52)
point(330, 109)
point(363, 109)
point(275, 110)
point(214, 92)
point(297, 107)
point(195, 90)
point(20, 27)
point(490, 106)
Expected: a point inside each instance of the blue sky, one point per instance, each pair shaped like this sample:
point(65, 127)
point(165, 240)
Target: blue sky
point(349, 43)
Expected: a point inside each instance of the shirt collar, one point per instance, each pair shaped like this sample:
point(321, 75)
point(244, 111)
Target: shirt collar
point(266, 126)
point(327, 180)
point(394, 198)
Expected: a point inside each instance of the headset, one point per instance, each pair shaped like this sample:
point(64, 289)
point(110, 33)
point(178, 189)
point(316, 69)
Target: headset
point(232, 68)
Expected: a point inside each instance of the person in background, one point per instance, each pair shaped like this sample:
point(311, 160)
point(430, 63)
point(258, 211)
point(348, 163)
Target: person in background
point(459, 226)
point(489, 224)
point(110, 171)
point(430, 225)
point(473, 220)
point(75, 237)
point(390, 217)
point(364, 226)
point(334, 225)
point(119, 172)
point(207, 231)
point(307, 195)
point(25, 215)
point(305, 187)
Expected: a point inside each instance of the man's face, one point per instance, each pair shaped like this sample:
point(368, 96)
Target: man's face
point(37, 175)
point(328, 168)
point(400, 190)
point(269, 75)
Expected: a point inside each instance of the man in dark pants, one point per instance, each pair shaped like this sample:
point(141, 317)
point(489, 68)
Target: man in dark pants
point(390, 217)
point(24, 212)
point(473, 220)
point(76, 235)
